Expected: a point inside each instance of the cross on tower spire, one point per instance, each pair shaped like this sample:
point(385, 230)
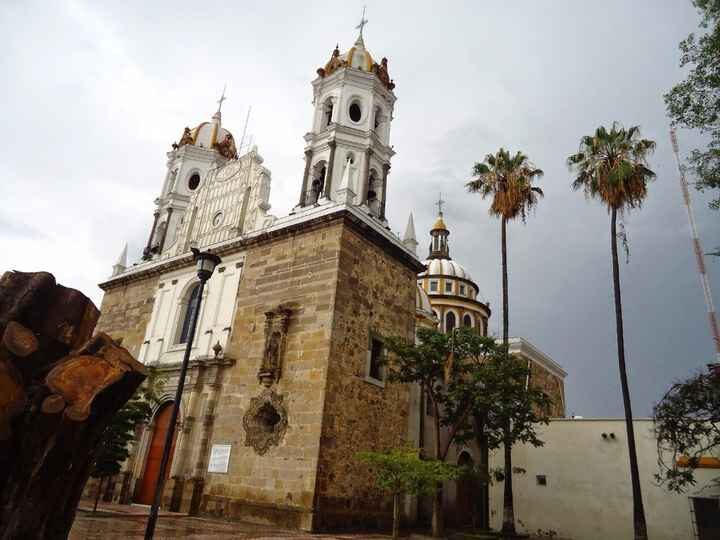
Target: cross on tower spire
point(363, 22)
point(222, 98)
point(439, 204)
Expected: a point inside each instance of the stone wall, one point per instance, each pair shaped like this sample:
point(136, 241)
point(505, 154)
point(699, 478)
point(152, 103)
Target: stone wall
point(375, 294)
point(125, 312)
point(299, 271)
point(552, 385)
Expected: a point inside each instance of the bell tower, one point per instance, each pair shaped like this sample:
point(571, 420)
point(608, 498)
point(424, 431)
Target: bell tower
point(348, 152)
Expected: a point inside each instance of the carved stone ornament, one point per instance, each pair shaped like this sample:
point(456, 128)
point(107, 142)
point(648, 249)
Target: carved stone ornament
point(226, 147)
point(276, 326)
point(265, 422)
point(187, 137)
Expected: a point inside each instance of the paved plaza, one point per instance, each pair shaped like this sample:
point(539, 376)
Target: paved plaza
point(128, 522)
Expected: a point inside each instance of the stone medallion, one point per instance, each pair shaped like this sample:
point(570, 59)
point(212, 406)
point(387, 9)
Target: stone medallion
point(265, 421)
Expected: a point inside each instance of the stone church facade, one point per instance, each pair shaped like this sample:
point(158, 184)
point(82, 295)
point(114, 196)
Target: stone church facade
point(285, 382)
point(284, 385)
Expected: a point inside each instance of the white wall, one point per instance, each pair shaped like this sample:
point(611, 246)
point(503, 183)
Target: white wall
point(216, 312)
point(588, 494)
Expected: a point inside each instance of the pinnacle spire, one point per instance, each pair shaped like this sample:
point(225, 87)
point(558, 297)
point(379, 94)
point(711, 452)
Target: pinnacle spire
point(409, 239)
point(121, 265)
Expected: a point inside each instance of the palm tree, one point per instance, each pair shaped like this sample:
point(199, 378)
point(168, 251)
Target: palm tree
point(611, 166)
point(508, 180)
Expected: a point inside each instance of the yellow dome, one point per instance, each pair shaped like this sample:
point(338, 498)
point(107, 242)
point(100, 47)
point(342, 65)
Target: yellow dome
point(439, 224)
point(357, 57)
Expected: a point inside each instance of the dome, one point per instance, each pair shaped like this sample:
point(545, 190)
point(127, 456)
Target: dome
point(445, 267)
point(422, 301)
point(424, 312)
point(439, 225)
point(357, 57)
point(210, 135)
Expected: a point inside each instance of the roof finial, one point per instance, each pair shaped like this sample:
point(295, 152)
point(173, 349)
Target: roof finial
point(222, 98)
point(363, 22)
point(439, 204)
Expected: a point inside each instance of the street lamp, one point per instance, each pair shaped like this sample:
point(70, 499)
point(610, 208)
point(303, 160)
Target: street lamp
point(206, 263)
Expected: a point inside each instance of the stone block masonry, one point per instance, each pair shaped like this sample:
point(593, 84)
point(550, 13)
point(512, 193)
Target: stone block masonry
point(125, 312)
point(341, 285)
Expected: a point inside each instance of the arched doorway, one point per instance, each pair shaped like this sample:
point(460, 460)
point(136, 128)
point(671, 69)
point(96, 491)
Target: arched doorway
point(467, 495)
point(154, 455)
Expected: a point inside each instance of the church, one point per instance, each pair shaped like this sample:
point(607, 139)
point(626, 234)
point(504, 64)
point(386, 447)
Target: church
point(285, 382)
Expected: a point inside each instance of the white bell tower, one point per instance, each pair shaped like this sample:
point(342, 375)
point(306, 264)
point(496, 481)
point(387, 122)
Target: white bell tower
point(347, 152)
point(200, 150)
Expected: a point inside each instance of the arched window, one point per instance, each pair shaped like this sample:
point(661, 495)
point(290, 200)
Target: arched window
point(467, 321)
point(372, 194)
point(450, 322)
point(318, 182)
point(190, 308)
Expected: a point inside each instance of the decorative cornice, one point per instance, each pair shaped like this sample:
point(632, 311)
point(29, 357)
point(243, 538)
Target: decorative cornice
point(475, 303)
point(310, 219)
point(523, 346)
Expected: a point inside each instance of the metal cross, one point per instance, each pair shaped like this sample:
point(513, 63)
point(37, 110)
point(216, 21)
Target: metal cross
point(222, 98)
point(440, 203)
point(363, 22)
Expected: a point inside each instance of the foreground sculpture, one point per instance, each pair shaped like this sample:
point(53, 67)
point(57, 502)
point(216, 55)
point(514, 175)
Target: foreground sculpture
point(59, 387)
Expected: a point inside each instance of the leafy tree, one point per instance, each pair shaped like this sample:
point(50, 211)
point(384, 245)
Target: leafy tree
point(507, 179)
point(465, 375)
point(695, 102)
point(402, 471)
point(687, 427)
point(113, 448)
point(611, 165)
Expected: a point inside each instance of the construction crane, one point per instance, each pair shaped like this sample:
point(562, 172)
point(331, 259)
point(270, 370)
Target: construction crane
point(699, 256)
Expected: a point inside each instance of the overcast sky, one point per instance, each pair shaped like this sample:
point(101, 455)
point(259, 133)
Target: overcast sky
point(94, 93)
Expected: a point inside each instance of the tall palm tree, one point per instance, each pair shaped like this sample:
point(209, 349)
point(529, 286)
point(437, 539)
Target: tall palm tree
point(612, 166)
point(507, 179)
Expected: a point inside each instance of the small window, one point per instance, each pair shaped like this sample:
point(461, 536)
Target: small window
point(467, 321)
point(462, 289)
point(541, 480)
point(433, 286)
point(450, 322)
point(355, 112)
point(189, 313)
point(377, 352)
point(194, 182)
point(448, 287)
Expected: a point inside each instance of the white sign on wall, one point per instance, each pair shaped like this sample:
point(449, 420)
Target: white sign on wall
point(219, 458)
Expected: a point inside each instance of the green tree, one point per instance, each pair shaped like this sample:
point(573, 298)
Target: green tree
point(508, 180)
point(687, 428)
point(113, 448)
point(611, 165)
point(402, 471)
point(464, 375)
point(695, 102)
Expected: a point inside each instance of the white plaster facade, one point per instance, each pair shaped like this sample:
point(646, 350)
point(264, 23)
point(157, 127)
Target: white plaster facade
point(587, 495)
point(162, 344)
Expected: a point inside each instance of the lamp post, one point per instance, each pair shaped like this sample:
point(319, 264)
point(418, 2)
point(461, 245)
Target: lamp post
point(206, 263)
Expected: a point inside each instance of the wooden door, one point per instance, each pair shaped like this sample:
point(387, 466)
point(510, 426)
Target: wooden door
point(154, 456)
point(467, 496)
